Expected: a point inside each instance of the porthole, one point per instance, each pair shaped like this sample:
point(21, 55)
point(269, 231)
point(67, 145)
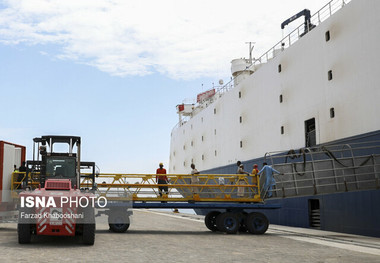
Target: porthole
point(332, 113)
point(327, 36)
point(329, 75)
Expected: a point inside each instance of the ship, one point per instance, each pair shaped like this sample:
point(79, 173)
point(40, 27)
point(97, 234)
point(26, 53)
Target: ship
point(309, 107)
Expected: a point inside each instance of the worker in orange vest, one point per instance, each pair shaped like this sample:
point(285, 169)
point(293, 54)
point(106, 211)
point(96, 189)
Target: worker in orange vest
point(161, 178)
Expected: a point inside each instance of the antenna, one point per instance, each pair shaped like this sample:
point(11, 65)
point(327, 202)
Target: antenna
point(251, 46)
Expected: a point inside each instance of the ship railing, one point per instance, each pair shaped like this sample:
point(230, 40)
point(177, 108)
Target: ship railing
point(327, 150)
point(326, 169)
point(184, 119)
point(220, 91)
point(320, 16)
point(329, 184)
point(226, 87)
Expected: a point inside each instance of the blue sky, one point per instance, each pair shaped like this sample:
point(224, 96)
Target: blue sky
point(113, 71)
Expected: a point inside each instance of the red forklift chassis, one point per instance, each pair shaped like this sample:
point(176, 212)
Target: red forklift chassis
point(57, 207)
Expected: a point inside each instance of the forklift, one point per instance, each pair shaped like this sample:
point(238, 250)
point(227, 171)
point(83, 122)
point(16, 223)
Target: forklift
point(52, 202)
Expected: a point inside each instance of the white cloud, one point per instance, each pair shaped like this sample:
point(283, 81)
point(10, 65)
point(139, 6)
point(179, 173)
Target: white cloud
point(182, 39)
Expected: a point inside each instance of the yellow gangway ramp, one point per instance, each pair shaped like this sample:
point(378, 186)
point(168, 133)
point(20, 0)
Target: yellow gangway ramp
point(229, 198)
point(211, 187)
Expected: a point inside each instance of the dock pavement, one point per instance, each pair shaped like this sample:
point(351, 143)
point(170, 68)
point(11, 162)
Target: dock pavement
point(163, 236)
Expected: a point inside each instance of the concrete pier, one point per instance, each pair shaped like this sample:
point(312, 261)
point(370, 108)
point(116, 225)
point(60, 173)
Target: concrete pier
point(156, 236)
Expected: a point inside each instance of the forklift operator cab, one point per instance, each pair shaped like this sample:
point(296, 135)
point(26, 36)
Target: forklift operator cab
point(58, 157)
point(60, 167)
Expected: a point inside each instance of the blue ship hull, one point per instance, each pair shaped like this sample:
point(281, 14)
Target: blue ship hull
point(354, 212)
point(351, 212)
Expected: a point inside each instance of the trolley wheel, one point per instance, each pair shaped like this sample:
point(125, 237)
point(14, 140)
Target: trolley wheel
point(243, 219)
point(118, 222)
point(210, 220)
point(257, 223)
point(228, 222)
point(89, 227)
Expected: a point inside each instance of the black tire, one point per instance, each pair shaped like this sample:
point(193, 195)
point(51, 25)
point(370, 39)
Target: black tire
point(24, 233)
point(257, 223)
point(118, 222)
point(24, 230)
point(210, 220)
point(243, 218)
point(89, 227)
point(228, 222)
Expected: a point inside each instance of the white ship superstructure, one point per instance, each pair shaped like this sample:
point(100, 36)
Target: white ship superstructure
point(309, 89)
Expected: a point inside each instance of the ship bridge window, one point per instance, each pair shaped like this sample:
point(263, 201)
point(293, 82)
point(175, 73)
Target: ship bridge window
point(241, 119)
point(282, 129)
point(239, 94)
point(214, 111)
point(203, 157)
point(279, 68)
point(281, 98)
point(241, 144)
point(329, 75)
point(327, 36)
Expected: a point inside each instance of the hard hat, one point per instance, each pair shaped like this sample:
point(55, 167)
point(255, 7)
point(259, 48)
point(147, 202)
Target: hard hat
point(161, 164)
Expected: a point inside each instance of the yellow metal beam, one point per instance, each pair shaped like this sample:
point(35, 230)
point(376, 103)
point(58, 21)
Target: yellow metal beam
point(116, 187)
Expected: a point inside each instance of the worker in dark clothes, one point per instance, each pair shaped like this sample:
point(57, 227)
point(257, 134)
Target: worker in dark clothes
point(161, 178)
point(22, 168)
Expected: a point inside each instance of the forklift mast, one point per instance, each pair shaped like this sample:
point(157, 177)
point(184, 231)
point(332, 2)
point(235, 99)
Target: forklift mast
point(57, 165)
